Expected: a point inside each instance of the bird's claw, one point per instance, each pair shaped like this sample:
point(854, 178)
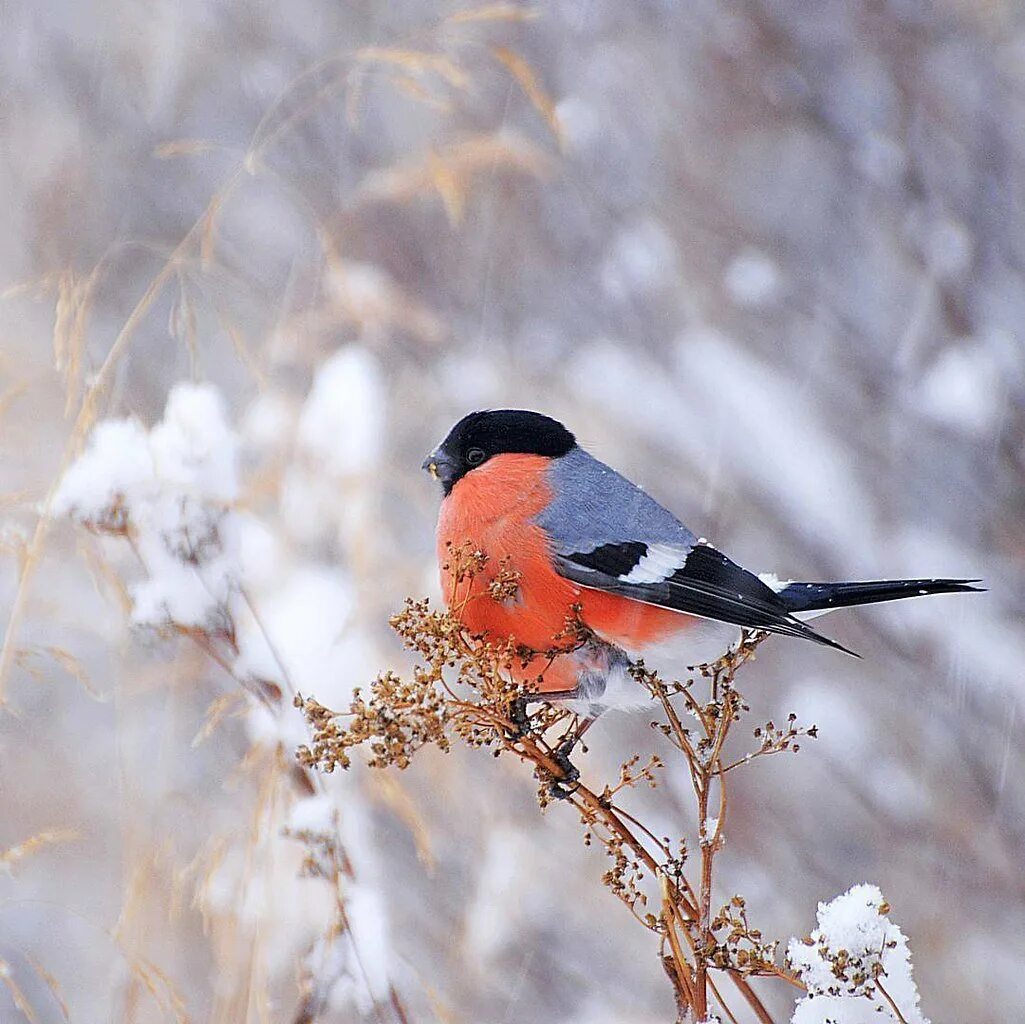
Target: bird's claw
point(566, 785)
point(559, 790)
point(518, 718)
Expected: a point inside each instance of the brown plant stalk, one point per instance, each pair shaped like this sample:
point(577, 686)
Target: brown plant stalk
point(325, 857)
point(464, 687)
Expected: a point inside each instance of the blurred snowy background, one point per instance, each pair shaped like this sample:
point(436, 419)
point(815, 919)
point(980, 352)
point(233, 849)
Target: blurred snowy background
point(765, 258)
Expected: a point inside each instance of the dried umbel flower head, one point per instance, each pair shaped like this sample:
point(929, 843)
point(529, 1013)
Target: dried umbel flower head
point(462, 687)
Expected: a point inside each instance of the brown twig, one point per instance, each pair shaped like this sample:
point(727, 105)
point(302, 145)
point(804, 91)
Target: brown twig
point(464, 688)
point(893, 1006)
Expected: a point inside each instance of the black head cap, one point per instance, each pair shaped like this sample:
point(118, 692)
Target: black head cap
point(482, 435)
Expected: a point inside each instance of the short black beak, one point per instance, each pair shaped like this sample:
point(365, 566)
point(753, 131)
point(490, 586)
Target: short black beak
point(440, 466)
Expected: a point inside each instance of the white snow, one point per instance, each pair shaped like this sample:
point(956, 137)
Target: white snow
point(173, 487)
point(176, 591)
point(304, 620)
point(267, 422)
point(260, 553)
point(963, 389)
point(581, 124)
point(368, 921)
point(752, 279)
point(342, 424)
point(117, 465)
point(773, 582)
point(315, 814)
point(194, 447)
point(340, 437)
point(641, 260)
point(708, 830)
point(855, 926)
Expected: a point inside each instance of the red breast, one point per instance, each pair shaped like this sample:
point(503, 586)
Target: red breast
point(494, 508)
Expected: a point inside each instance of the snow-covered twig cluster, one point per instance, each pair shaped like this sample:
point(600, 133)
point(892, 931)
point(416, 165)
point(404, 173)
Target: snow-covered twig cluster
point(170, 490)
point(173, 493)
point(856, 965)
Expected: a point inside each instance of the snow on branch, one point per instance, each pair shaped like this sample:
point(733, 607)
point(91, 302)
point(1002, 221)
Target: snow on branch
point(856, 965)
point(169, 490)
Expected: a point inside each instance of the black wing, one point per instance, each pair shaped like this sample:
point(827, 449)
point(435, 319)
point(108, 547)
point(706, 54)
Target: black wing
point(706, 584)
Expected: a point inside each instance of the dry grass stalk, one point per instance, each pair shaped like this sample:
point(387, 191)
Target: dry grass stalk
point(452, 171)
point(49, 837)
point(462, 689)
point(418, 69)
point(53, 985)
point(18, 996)
point(281, 783)
point(524, 75)
point(493, 12)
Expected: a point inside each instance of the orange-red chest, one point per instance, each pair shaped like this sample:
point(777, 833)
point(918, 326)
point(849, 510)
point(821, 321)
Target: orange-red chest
point(493, 508)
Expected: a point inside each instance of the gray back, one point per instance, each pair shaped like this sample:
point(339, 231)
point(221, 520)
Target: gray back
point(594, 505)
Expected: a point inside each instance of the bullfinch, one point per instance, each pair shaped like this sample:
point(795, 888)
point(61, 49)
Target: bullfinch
point(582, 540)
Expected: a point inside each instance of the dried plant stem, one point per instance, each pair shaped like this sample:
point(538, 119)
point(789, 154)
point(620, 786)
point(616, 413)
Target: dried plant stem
point(893, 1006)
point(466, 686)
point(681, 970)
point(326, 856)
point(752, 999)
point(722, 1002)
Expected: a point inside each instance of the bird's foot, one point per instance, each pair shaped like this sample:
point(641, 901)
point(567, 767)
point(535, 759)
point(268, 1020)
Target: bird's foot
point(566, 785)
point(518, 718)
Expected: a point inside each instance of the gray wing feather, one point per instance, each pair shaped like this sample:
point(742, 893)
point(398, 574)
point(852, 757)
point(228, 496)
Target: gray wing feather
point(595, 506)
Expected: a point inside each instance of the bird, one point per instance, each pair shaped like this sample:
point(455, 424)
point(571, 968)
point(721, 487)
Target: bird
point(580, 540)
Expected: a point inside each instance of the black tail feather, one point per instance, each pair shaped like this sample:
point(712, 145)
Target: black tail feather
point(810, 634)
point(810, 597)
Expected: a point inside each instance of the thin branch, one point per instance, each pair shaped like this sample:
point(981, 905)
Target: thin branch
point(752, 999)
point(893, 1006)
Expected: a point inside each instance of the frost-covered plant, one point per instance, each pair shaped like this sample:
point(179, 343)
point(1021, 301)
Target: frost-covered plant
point(171, 492)
point(856, 965)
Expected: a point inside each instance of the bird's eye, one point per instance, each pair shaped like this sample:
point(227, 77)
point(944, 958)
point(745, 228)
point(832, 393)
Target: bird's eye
point(475, 456)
